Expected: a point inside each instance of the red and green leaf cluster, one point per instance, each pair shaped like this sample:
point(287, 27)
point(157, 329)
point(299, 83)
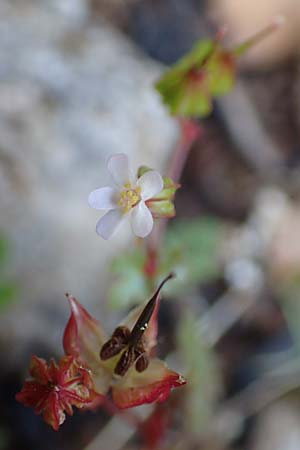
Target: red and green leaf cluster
point(207, 71)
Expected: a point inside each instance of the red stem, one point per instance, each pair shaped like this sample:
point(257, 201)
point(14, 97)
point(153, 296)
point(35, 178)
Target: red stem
point(190, 132)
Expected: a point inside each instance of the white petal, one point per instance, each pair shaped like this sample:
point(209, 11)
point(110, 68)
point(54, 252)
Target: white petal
point(108, 223)
point(151, 183)
point(103, 198)
point(141, 220)
point(119, 169)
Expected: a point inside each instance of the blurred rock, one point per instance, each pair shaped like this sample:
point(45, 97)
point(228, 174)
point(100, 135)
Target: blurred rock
point(115, 11)
point(71, 94)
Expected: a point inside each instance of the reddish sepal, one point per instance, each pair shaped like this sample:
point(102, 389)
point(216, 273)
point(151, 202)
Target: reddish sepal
point(152, 385)
point(54, 390)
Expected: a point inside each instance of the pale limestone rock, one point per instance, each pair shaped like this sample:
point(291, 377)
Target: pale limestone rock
point(71, 94)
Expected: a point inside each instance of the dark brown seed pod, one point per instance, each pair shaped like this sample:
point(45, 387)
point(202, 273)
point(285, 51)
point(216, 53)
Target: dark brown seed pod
point(126, 360)
point(122, 333)
point(141, 324)
point(142, 363)
point(111, 348)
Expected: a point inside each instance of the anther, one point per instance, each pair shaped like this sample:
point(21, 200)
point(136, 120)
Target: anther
point(117, 343)
point(125, 362)
point(142, 363)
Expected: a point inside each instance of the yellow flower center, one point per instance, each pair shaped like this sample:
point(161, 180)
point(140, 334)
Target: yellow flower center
point(129, 197)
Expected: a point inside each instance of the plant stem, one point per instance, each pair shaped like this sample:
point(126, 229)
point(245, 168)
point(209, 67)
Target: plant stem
point(190, 132)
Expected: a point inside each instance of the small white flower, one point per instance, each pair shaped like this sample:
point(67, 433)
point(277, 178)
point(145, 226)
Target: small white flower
point(126, 199)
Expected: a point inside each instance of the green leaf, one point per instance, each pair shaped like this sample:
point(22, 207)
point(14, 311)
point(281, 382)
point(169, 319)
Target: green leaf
point(183, 96)
point(195, 58)
point(189, 86)
point(221, 68)
point(207, 71)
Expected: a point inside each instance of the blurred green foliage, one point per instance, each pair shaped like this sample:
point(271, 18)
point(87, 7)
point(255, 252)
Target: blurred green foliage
point(202, 372)
point(7, 289)
point(190, 249)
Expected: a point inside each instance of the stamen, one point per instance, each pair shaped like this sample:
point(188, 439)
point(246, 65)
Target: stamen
point(142, 363)
point(126, 360)
point(129, 197)
point(142, 360)
point(116, 344)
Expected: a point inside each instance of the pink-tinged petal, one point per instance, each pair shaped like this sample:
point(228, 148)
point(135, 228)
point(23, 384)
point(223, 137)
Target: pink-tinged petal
point(83, 338)
point(39, 370)
point(119, 169)
point(103, 198)
point(53, 413)
point(152, 385)
point(33, 395)
point(141, 220)
point(109, 223)
point(151, 183)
